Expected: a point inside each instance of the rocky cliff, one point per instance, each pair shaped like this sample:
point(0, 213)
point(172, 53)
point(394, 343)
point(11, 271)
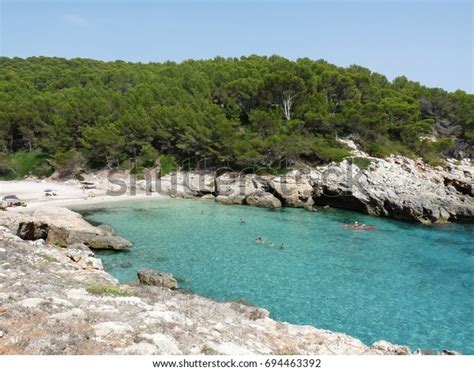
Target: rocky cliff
point(60, 227)
point(396, 187)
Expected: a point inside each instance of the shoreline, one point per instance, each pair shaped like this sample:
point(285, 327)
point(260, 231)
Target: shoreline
point(69, 194)
point(395, 187)
point(69, 204)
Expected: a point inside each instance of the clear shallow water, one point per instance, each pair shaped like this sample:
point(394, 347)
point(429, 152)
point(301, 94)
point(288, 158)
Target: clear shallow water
point(404, 283)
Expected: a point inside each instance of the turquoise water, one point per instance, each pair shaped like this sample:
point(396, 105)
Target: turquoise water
point(405, 283)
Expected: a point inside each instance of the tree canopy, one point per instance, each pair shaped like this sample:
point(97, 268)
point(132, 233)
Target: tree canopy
point(239, 112)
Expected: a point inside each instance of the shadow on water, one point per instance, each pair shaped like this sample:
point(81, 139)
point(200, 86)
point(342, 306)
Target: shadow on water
point(145, 211)
point(468, 250)
point(93, 211)
point(179, 279)
point(117, 253)
point(125, 265)
point(93, 222)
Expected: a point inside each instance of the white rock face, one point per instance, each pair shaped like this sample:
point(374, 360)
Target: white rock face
point(33, 302)
point(110, 328)
point(355, 151)
point(399, 187)
point(233, 349)
point(182, 184)
point(59, 226)
point(71, 315)
point(395, 187)
point(155, 278)
point(165, 343)
point(236, 185)
point(295, 188)
point(230, 200)
point(200, 183)
point(263, 199)
point(143, 349)
point(386, 347)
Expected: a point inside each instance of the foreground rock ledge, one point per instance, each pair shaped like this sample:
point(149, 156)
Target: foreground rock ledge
point(60, 227)
point(54, 301)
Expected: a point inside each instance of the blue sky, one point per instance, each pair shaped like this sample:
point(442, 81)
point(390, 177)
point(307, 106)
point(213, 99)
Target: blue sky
point(427, 41)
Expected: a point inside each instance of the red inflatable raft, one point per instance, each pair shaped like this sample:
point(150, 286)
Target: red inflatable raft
point(363, 227)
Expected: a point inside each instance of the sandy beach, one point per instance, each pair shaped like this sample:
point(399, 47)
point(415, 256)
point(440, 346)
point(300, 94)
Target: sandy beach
point(69, 193)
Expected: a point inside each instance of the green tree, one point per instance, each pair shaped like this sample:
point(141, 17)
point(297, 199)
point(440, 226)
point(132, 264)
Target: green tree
point(104, 144)
point(282, 90)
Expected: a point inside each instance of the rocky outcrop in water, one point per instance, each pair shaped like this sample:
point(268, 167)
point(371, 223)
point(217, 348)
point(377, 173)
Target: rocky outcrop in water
point(262, 199)
point(230, 200)
point(60, 227)
point(73, 307)
point(155, 278)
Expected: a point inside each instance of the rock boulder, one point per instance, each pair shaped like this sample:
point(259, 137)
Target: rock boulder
point(61, 227)
point(294, 188)
point(237, 185)
point(262, 199)
point(155, 278)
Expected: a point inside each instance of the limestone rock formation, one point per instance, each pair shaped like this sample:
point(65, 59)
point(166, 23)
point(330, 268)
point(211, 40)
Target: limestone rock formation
point(395, 187)
point(400, 188)
point(237, 185)
point(262, 199)
point(230, 200)
point(294, 188)
point(208, 197)
point(184, 184)
point(61, 227)
point(154, 278)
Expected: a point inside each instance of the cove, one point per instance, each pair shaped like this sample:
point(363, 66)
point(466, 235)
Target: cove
point(404, 283)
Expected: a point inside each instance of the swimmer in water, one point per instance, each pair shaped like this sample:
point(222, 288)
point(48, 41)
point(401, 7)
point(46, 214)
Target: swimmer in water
point(282, 246)
point(258, 240)
point(356, 223)
point(242, 221)
point(270, 244)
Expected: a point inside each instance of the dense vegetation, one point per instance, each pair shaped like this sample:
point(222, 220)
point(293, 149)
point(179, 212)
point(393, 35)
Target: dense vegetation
point(247, 112)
